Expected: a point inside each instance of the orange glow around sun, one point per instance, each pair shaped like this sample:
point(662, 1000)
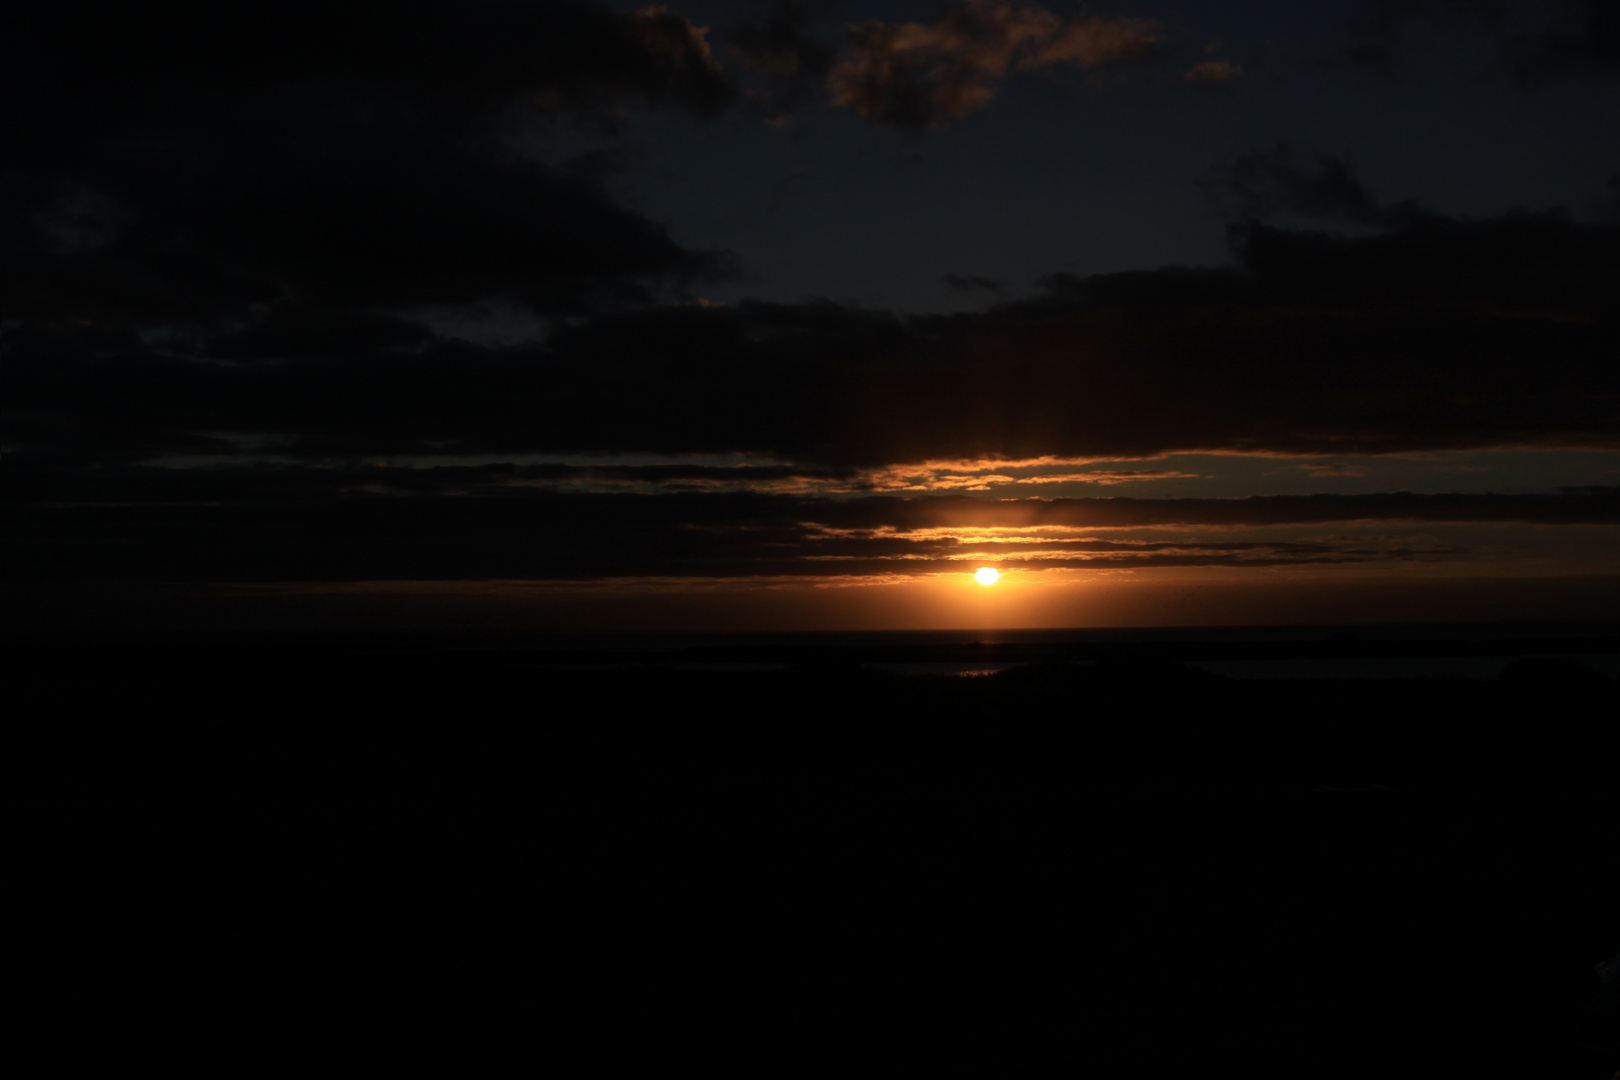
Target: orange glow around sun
point(986, 575)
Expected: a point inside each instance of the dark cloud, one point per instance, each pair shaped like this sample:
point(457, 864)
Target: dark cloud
point(1297, 179)
point(1584, 42)
point(185, 160)
point(365, 215)
point(917, 76)
point(52, 481)
point(1570, 506)
point(88, 70)
point(1522, 257)
point(1543, 260)
point(43, 482)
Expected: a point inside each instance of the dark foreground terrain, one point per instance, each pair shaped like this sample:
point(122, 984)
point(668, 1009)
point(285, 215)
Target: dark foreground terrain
point(1133, 869)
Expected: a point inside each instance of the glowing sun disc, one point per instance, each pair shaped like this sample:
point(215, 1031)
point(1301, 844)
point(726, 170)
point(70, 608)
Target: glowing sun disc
point(986, 575)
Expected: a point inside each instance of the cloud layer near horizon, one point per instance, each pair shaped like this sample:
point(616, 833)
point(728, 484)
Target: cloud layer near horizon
point(453, 523)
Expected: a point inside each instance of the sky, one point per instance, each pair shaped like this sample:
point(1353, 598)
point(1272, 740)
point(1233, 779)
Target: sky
point(753, 316)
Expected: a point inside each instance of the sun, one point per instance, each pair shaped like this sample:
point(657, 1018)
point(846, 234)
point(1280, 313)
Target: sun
point(986, 575)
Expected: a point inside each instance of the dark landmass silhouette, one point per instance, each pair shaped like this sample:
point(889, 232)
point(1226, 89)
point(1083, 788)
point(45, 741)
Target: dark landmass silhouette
point(1129, 865)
